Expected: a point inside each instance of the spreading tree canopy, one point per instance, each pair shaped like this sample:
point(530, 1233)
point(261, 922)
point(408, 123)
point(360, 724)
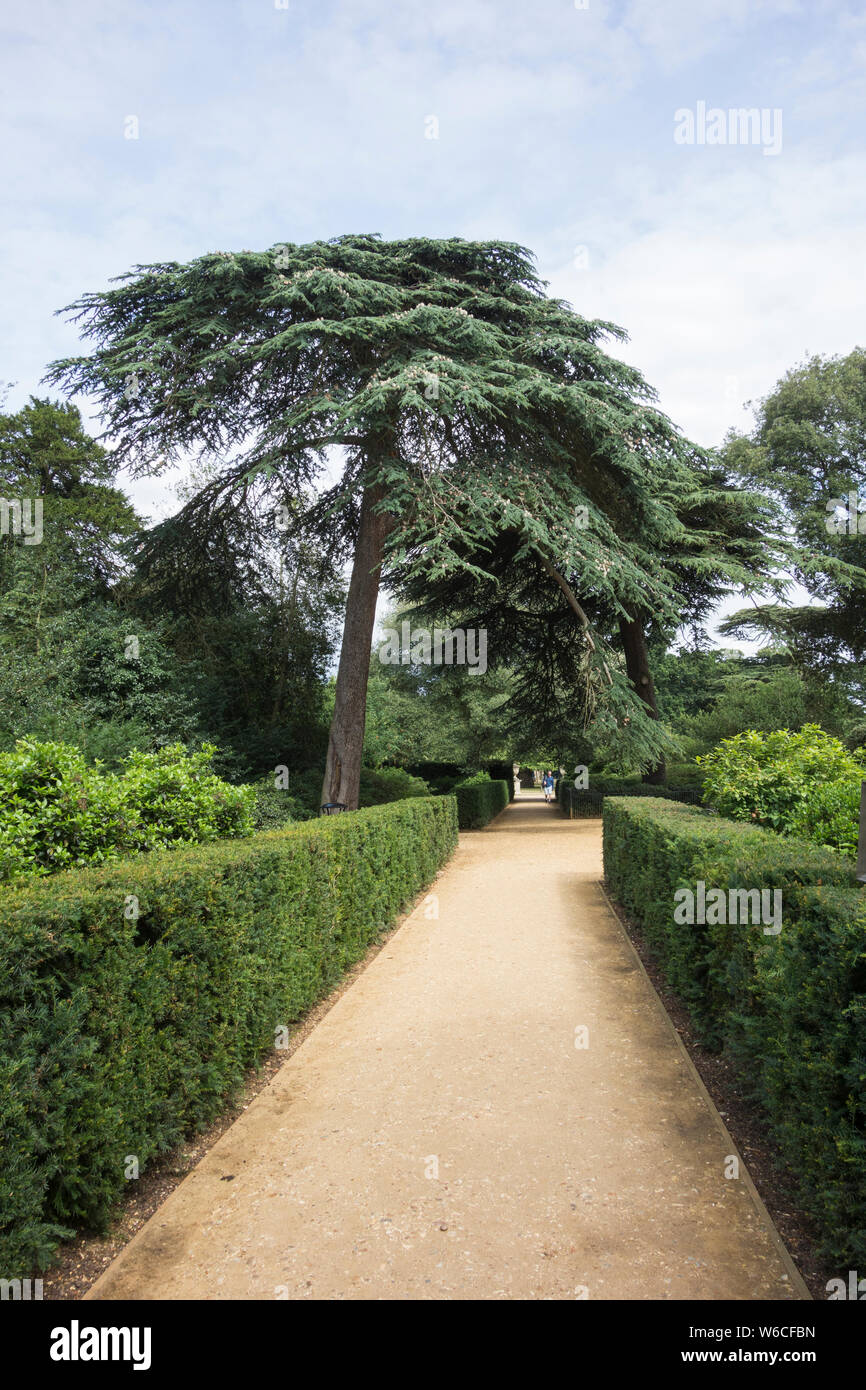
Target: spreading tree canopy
point(719, 543)
point(465, 405)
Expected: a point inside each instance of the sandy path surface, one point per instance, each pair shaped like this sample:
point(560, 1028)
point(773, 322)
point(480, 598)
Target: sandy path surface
point(443, 1133)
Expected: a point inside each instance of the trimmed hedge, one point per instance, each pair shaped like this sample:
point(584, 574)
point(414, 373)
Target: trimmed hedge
point(123, 1034)
point(479, 801)
point(505, 772)
point(434, 773)
point(789, 1009)
point(589, 802)
point(442, 777)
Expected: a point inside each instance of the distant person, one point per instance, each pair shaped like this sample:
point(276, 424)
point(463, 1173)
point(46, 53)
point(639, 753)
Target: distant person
point(549, 783)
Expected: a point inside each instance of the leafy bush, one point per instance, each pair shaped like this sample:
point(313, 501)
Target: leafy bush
point(126, 1030)
point(831, 816)
point(687, 774)
point(789, 1009)
point(479, 799)
point(277, 806)
point(171, 797)
point(439, 776)
point(57, 811)
point(805, 784)
point(273, 806)
point(383, 784)
point(444, 783)
point(301, 801)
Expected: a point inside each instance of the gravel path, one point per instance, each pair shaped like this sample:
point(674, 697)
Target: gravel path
point(497, 1108)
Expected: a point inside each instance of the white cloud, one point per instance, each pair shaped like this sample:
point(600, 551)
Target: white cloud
point(736, 277)
point(556, 129)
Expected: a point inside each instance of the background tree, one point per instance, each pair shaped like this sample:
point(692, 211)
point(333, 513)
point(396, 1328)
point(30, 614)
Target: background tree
point(114, 636)
point(45, 453)
point(807, 452)
point(58, 618)
point(255, 614)
point(707, 696)
point(428, 713)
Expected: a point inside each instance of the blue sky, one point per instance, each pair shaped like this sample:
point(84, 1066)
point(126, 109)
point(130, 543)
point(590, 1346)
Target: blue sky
point(259, 123)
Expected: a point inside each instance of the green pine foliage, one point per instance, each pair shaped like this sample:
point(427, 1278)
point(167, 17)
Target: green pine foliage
point(483, 413)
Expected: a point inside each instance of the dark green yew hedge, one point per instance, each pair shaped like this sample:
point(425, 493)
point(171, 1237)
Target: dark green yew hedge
point(478, 802)
point(790, 1009)
point(501, 771)
point(587, 803)
point(122, 1034)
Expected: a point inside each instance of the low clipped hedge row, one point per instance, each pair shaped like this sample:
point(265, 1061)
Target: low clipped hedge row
point(505, 772)
point(630, 786)
point(588, 802)
point(789, 1009)
point(478, 801)
point(136, 995)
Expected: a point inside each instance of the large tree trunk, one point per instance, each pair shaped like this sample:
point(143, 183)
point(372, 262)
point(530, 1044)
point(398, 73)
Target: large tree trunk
point(638, 670)
point(345, 746)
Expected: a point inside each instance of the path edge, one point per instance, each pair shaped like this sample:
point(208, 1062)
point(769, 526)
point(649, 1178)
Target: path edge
point(794, 1275)
point(306, 1026)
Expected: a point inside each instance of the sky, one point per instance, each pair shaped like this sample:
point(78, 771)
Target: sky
point(585, 131)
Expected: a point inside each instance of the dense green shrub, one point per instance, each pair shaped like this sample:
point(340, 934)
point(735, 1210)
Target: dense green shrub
point(384, 784)
point(503, 771)
point(439, 776)
point(135, 995)
point(805, 784)
point(276, 806)
point(687, 774)
point(442, 777)
point(604, 779)
point(57, 811)
point(831, 815)
point(301, 800)
point(789, 1009)
point(680, 777)
point(479, 799)
point(444, 783)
